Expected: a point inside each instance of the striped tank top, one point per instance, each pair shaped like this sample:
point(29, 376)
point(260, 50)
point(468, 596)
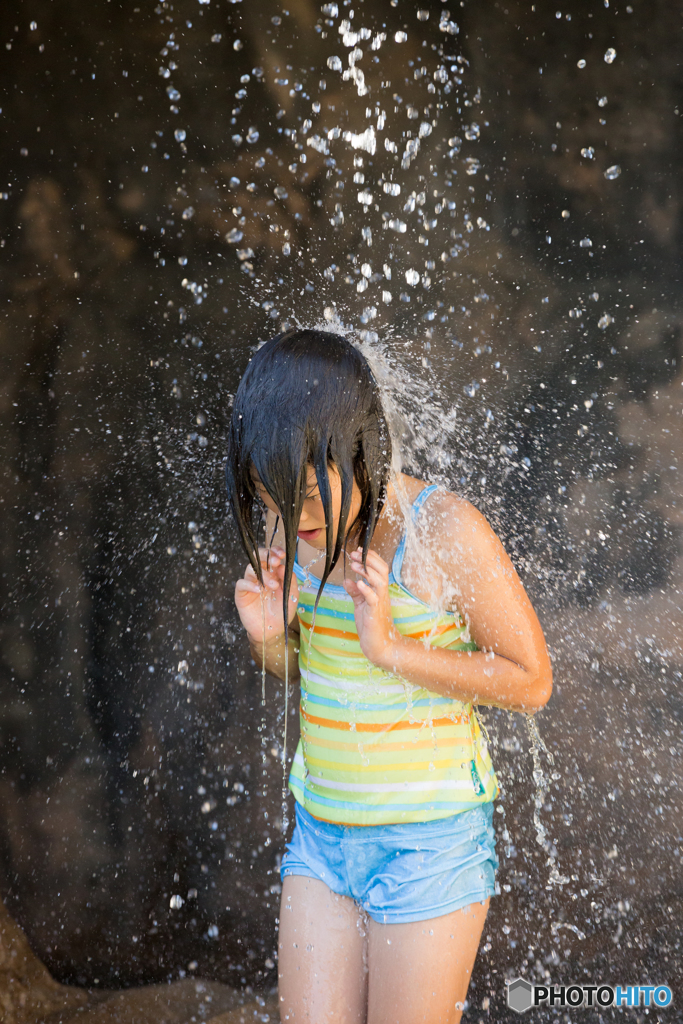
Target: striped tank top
point(376, 749)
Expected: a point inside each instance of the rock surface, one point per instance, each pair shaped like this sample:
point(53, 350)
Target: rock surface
point(30, 995)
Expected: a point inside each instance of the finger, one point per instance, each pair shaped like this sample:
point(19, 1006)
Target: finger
point(369, 595)
point(275, 550)
point(351, 588)
point(377, 562)
point(359, 570)
point(374, 561)
point(354, 593)
point(377, 580)
point(246, 587)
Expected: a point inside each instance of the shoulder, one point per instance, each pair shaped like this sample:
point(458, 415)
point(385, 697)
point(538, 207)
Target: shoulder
point(458, 533)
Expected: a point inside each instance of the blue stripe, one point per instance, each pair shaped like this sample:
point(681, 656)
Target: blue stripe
point(323, 612)
point(426, 702)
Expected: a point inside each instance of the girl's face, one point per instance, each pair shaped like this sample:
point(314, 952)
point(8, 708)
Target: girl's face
point(312, 523)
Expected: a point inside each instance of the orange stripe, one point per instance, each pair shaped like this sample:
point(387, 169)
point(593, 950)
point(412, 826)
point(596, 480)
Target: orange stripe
point(343, 635)
point(431, 632)
point(329, 723)
point(328, 631)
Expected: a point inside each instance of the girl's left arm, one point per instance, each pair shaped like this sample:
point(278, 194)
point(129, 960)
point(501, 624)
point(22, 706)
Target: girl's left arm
point(512, 668)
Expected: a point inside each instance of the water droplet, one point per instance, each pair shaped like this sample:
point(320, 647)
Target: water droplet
point(365, 198)
point(188, 213)
point(176, 902)
point(472, 132)
point(280, 192)
point(602, 102)
point(286, 249)
point(605, 320)
point(448, 26)
point(386, 297)
point(238, 44)
point(613, 172)
point(234, 182)
point(586, 243)
point(401, 37)
point(391, 188)
point(334, 63)
point(610, 55)
point(172, 93)
point(412, 277)
point(588, 152)
point(216, 37)
point(34, 26)
point(180, 134)
point(182, 260)
point(566, 214)
point(366, 270)
point(423, 15)
point(330, 10)
point(252, 135)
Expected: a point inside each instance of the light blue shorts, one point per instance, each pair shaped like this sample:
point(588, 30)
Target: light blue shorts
point(399, 873)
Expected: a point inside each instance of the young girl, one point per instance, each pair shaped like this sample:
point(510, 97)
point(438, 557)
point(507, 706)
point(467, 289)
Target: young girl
point(394, 604)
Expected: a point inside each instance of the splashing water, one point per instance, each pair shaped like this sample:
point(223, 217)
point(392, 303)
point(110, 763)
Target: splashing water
point(542, 784)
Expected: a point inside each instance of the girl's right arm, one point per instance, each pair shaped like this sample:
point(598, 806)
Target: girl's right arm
point(261, 610)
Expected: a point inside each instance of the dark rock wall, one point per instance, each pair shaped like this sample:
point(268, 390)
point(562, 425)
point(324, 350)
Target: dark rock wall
point(136, 760)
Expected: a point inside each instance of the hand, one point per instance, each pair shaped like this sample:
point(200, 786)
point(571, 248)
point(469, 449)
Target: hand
point(372, 608)
point(250, 598)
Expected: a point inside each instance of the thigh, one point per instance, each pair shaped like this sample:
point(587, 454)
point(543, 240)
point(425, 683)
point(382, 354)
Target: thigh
point(420, 972)
point(322, 968)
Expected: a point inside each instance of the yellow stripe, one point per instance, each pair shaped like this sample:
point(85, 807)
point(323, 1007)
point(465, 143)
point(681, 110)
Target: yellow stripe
point(378, 769)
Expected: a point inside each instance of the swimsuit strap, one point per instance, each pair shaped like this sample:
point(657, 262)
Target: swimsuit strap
point(395, 575)
point(397, 564)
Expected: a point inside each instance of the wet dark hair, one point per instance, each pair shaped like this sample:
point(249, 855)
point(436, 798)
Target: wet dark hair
point(307, 398)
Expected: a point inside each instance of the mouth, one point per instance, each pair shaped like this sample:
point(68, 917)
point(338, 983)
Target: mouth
point(309, 535)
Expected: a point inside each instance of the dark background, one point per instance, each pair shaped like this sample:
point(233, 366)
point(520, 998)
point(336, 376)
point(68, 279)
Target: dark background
point(136, 762)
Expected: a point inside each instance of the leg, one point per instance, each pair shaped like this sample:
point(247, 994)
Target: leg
point(322, 955)
point(420, 972)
